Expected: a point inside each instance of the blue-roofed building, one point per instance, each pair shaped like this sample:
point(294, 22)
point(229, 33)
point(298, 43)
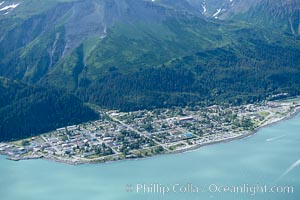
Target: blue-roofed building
point(188, 135)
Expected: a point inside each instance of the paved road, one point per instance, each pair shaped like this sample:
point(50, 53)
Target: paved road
point(137, 131)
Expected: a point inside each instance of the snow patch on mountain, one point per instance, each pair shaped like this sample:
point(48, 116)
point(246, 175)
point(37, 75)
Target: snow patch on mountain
point(9, 7)
point(215, 15)
point(204, 7)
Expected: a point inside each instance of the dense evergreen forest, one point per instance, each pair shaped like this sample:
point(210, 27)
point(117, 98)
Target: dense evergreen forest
point(30, 110)
point(224, 75)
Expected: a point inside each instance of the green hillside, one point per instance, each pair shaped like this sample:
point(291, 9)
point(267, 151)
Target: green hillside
point(27, 110)
point(186, 61)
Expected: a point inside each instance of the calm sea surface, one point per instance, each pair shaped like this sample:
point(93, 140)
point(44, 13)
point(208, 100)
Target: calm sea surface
point(270, 158)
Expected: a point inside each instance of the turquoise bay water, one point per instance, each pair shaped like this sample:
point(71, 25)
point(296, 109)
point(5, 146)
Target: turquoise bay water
point(261, 159)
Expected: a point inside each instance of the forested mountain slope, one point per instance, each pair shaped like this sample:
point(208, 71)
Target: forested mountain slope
point(27, 110)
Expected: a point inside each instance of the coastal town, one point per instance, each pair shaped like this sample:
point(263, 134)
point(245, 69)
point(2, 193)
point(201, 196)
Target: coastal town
point(131, 135)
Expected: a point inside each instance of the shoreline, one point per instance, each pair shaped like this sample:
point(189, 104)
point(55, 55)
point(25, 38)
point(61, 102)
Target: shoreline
point(199, 146)
point(179, 151)
point(251, 133)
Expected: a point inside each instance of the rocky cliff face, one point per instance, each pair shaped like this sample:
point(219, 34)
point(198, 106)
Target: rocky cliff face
point(95, 17)
point(35, 35)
